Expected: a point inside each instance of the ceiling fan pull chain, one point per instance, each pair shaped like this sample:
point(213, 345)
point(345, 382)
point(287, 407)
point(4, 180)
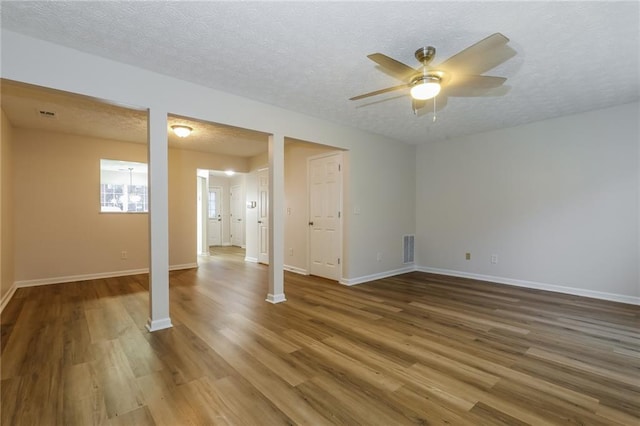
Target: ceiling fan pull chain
point(434, 109)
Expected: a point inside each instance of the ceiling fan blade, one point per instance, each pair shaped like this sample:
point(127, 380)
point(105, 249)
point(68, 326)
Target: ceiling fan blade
point(396, 68)
point(476, 85)
point(480, 57)
point(471, 92)
point(378, 92)
point(475, 81)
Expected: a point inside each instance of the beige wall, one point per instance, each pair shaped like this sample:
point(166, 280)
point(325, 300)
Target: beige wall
point(259, 161)
point(296, 228)
point(59, 230)
point(6, 208)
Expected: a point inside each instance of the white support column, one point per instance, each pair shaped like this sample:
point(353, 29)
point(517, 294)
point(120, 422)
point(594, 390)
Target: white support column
point(158, 221)
point(276, 219)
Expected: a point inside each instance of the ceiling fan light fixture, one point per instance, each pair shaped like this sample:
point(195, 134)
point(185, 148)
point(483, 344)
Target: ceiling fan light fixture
point(426, 87)
point(181, 131)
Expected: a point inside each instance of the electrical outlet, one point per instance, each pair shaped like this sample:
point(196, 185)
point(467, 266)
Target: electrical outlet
point(379, 257)
point(123, 255)
point(290, 252)
point(467, 256)
point(494, 258)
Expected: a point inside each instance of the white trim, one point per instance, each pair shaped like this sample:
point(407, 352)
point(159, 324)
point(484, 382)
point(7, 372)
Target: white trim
point(100, 275)
point(535, 285)
point(161, 324)
point(7, 297)
point(251, 259)
point(75, 278)
point(275, 298)
point(378, 276)
point(296, 270)
point(183, 266)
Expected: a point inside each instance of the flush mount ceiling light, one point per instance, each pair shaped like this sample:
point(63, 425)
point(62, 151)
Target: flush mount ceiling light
point(229, 172)
point(181, 131)
point(425, 87)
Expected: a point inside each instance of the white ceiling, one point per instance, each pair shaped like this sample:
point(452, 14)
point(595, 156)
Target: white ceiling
point(311, 56)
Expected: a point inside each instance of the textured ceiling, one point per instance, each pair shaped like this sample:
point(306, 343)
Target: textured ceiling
point(35, 107)
point(311, 56)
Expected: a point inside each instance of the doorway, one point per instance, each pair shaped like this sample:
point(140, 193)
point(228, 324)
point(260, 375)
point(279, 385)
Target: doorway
point(221, 213)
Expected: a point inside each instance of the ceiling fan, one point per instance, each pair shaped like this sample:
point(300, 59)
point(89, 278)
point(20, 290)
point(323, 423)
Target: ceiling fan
point(457, 76)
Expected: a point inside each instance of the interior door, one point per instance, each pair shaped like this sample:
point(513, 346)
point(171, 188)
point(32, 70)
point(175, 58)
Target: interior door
point(263, 216)
point(214, 222)
point(325, 230)
point(237, 228)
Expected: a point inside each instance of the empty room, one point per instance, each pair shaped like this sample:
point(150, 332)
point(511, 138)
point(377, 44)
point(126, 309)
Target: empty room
point(319, 213)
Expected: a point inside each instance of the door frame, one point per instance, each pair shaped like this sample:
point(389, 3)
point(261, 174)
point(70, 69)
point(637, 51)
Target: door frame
point(340, 230)
point(260, 172)
point(202, 213)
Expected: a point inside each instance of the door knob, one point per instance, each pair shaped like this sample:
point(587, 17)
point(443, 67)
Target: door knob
point(259, 221)
point(310, 223)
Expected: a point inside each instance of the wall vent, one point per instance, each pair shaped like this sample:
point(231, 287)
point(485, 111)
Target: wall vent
point(408, 242)
point(46, 113)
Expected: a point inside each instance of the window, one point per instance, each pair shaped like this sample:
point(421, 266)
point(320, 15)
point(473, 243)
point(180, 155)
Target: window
point(123, 187)
point(212, 204)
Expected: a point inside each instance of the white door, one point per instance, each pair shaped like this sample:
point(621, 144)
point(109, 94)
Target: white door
point(214, 221)
point(263, 216)
point(237, 225)
point(325, 195)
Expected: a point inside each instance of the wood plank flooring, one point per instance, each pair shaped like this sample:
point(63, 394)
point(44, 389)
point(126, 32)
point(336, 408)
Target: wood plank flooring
point(412, 349)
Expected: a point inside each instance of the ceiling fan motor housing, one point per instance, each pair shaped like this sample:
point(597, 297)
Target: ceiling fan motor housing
point(425, 54)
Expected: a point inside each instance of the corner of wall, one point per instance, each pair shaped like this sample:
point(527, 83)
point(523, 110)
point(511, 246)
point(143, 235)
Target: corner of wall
point(7, 284)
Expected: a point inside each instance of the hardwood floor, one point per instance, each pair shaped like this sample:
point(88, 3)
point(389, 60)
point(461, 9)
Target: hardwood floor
point(413, 349)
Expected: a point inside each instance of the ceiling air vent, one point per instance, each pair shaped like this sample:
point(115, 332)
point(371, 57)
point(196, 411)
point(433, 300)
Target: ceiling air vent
point(46, 113)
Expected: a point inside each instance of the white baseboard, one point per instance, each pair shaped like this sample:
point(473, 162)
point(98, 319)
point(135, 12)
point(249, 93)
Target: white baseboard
point(84, 277)
point(380, 275)
point(161, 324)
point(276, 298)
point(535, 285)
point(7, 297)
point(183, 266)
point(295, 269)
point(251, 259)
point(100, 275)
